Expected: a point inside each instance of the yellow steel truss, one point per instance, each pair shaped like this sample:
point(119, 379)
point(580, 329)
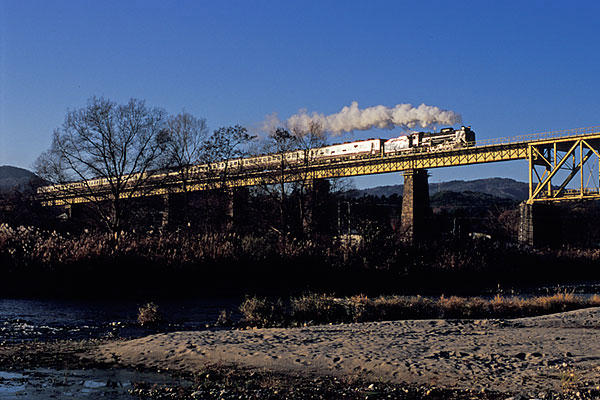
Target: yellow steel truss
point(562, 160)
point(550, 151)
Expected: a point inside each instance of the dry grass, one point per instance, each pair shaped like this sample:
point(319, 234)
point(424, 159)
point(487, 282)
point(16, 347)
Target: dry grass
point(320, 308)
point(23, 246)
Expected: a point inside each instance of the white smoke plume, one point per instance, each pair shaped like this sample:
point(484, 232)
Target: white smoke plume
point(352, 118)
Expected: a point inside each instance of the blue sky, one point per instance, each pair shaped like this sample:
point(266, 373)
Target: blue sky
point(509, 67)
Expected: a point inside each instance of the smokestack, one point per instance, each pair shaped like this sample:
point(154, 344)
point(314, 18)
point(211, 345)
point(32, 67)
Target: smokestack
point(352, 118)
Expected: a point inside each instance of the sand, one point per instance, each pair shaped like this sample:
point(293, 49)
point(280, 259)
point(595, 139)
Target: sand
point(520, 356)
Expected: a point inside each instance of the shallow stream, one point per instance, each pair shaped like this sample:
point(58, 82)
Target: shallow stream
point(41, 383)
point(26, 320)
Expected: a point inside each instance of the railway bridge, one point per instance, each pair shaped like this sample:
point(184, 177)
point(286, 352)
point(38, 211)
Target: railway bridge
point(562, 166)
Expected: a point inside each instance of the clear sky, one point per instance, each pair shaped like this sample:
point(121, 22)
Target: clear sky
point(509, 67)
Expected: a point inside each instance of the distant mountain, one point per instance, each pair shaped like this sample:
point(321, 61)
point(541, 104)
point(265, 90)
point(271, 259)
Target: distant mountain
point(498, 187)
point(17, 179)
point(468, 199)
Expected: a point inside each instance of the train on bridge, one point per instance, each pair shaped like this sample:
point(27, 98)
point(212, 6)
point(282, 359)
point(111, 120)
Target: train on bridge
point(445, 139)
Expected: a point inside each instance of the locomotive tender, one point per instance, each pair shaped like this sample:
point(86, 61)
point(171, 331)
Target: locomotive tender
point(446, 139)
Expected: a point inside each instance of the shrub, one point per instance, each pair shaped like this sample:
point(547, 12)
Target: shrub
point(224, 318)
point(149, 315)
point(360, 308)
point(262, 312)
point(318, 308)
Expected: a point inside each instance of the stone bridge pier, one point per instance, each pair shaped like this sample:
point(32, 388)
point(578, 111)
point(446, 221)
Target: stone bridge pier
point(236, 202)
point(538, 224)
point(415, 206)
point(314, 215)
point(166, 210)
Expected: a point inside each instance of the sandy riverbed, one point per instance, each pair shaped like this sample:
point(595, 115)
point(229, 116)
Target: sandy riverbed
point(521, 355)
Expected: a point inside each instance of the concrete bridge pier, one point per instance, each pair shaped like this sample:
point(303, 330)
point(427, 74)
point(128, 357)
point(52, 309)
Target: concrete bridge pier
point(415, 206)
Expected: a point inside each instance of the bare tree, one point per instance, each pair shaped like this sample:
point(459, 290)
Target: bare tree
point(219, 159)
point(187, 141)
point(282, 141)
point(307, 140)
point(188, 138)
point(224, 145)
point(106, 153)
point(293, 152)
point(310, 138)
point(302, 142)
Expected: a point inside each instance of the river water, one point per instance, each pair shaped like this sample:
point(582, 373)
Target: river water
point(42, 383)
point(24, 320)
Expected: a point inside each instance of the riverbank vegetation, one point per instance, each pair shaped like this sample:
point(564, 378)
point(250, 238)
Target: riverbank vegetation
point(320, 309)
point(37, 262)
